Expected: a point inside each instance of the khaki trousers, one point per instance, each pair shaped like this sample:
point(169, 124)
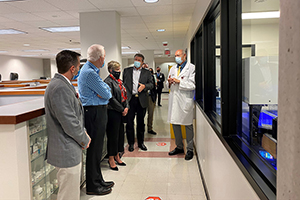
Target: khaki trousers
point(69, 182)
point(151, 106)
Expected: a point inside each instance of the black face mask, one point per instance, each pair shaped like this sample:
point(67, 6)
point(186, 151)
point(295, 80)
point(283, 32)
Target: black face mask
point(158, 71)
point(116, 74)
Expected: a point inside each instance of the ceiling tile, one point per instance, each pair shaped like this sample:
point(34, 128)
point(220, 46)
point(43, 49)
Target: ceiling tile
point(73, 5)
point(9, 8)
point(102, 4)
point(154, 18)
point(34, 6)
point(54, 15)
point(157, 10)
point(184, 8)
point(131, 20)
point(184, 1)
point(21, 17)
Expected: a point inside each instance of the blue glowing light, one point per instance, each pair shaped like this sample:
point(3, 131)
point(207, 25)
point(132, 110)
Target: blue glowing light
point(266, 155)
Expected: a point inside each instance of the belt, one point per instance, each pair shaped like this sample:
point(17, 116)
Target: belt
point(136, 95)
point(94, 106)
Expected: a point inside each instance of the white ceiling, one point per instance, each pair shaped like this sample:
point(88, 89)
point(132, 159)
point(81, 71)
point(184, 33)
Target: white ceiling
point(139, 21)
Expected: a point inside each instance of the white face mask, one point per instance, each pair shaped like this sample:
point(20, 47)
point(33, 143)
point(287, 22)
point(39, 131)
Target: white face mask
point(137, 64)
point(178, 60)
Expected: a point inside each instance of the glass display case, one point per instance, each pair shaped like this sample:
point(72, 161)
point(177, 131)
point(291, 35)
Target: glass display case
point(43, 175)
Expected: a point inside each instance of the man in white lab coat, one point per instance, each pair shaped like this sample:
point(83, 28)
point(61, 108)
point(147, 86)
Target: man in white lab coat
point(181, 82)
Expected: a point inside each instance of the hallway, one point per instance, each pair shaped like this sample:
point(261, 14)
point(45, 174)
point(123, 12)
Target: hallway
point(154, 173)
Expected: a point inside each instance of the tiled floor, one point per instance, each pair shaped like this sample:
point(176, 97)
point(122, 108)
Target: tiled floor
point(154, 173)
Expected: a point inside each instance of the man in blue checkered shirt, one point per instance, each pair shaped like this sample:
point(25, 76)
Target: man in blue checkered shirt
point(95, 95)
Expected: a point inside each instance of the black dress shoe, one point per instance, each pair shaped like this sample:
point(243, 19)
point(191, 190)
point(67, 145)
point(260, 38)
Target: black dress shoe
point(159, 105)
point(113, 168)
point(99, 191)
point(176, 151)
point(189, 155)
point(107, 184)
point(121, 164)
point(152, 132)
point(131, 148)
point(143, 147)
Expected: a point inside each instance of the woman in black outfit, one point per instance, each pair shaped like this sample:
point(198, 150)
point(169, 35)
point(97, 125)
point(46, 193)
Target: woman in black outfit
point(117, 107)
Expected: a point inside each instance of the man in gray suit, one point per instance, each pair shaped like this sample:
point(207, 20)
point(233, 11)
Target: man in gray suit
point(137, 81)
point(65, 128)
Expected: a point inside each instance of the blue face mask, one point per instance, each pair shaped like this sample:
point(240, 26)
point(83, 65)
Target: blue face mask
point(137, 64)
point(103, 64)
point(178, 60)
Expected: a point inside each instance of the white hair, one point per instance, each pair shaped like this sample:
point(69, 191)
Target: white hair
point(94, 52)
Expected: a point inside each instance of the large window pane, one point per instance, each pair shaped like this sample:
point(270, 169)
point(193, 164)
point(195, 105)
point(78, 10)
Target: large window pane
point(218, 67)
point(260, 36)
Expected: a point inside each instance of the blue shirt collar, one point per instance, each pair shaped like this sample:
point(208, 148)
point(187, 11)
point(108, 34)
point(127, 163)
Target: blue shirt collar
point(182, 66)
point(93, 67)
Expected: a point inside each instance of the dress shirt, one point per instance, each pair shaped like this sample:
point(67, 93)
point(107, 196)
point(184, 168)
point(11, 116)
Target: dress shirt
point(182, 66)
point(90, 84)
point(66, 79)
point(135, 79)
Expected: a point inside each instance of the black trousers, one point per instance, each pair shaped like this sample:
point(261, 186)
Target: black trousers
point(159, 91)
point(114, 132)
point(135, 108)
point(95, 123)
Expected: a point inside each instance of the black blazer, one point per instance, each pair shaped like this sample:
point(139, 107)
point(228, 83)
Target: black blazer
point(161, 78)
point(115, 102)
point(145, 78)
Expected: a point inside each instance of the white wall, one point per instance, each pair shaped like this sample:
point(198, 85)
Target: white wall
point(53, 67)
point(27, 68)
point(223, 178)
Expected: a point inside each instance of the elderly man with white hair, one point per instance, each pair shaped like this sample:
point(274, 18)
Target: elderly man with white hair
point(95, 95)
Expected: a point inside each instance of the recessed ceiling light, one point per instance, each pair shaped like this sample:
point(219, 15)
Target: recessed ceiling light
point(30, 55)
point(10, 31)
point(35, 50)
point(61, 29)
point(129, 52)
point(125, 48)
point(161, 30)
point(261, 15)
point(71, 49)
point(26, 45)
point(151, 1)
point(3, 51)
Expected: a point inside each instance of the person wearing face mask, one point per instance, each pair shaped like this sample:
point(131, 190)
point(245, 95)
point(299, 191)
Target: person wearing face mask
point(181, 82)
point(95, 95)
point(137, 81)
point(151, 105)
point(117, 107)
point(160, 84)
point(65, 126)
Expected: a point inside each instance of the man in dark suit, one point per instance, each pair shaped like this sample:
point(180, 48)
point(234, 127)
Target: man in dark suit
point(160, 84)
point(65, 129)
point(137, 81)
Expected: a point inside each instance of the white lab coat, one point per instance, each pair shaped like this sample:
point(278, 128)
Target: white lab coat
point(181, 97)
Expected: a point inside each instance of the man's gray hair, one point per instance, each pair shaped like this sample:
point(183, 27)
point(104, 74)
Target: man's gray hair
point(94, 52)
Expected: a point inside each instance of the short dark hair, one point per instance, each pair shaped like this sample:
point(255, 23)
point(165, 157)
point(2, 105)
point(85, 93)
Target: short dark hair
point(139, 55)
point(65, 60)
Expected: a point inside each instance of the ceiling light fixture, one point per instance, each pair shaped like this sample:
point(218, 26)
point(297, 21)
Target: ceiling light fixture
point(261, 15)
point(36, 50)
point(161, 30)
point(61, 29)
point(129, 52)
point(151, 1)
point(71, 49)
point(3, 51)
point(126, 48)
point(10, 31)
point(26, 45)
